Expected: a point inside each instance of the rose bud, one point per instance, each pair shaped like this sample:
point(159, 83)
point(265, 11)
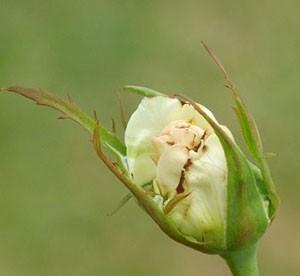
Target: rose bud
point(199, 177)
point(173, 146)
point(186, 170)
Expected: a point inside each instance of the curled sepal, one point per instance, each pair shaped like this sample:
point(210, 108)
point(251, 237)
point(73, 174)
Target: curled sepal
point(147, 202)
point(71, 111)
point(246, 217)
point(251, 136)
point(142, 91)
point(247, 123)
point(254, 143)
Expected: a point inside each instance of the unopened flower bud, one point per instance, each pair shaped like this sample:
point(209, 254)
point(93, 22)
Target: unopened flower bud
point(173, 146)
point(186, 170)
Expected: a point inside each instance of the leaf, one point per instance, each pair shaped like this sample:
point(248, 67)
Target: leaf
point(71, 111)
point(246, 219)
point(143, 91)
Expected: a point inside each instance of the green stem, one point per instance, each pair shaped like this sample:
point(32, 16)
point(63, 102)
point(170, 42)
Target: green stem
point(243, 262)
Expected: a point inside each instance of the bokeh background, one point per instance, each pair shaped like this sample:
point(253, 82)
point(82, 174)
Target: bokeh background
point(54, 193)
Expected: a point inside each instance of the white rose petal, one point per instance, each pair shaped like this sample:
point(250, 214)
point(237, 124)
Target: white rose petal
point(169, 168)
point(151, 116)
point(172, 144)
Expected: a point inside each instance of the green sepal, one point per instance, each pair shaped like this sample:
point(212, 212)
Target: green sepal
point(249, 129)
point(251, 135)
point(246, 217)
point(254, 144)
point(142, 91)
point(71, 111)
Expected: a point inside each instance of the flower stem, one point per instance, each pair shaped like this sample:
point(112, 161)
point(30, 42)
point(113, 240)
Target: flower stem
point(243, 262)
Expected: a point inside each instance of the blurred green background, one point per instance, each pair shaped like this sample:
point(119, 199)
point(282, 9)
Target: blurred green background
point(55, 194)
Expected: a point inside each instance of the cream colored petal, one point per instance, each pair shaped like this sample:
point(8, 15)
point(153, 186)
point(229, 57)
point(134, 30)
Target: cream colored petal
point(143, 169)
point(195, 216)
point(189, 114)
point(151, 116)
point(202, 214)
point(169, 168)
point(206, 179)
